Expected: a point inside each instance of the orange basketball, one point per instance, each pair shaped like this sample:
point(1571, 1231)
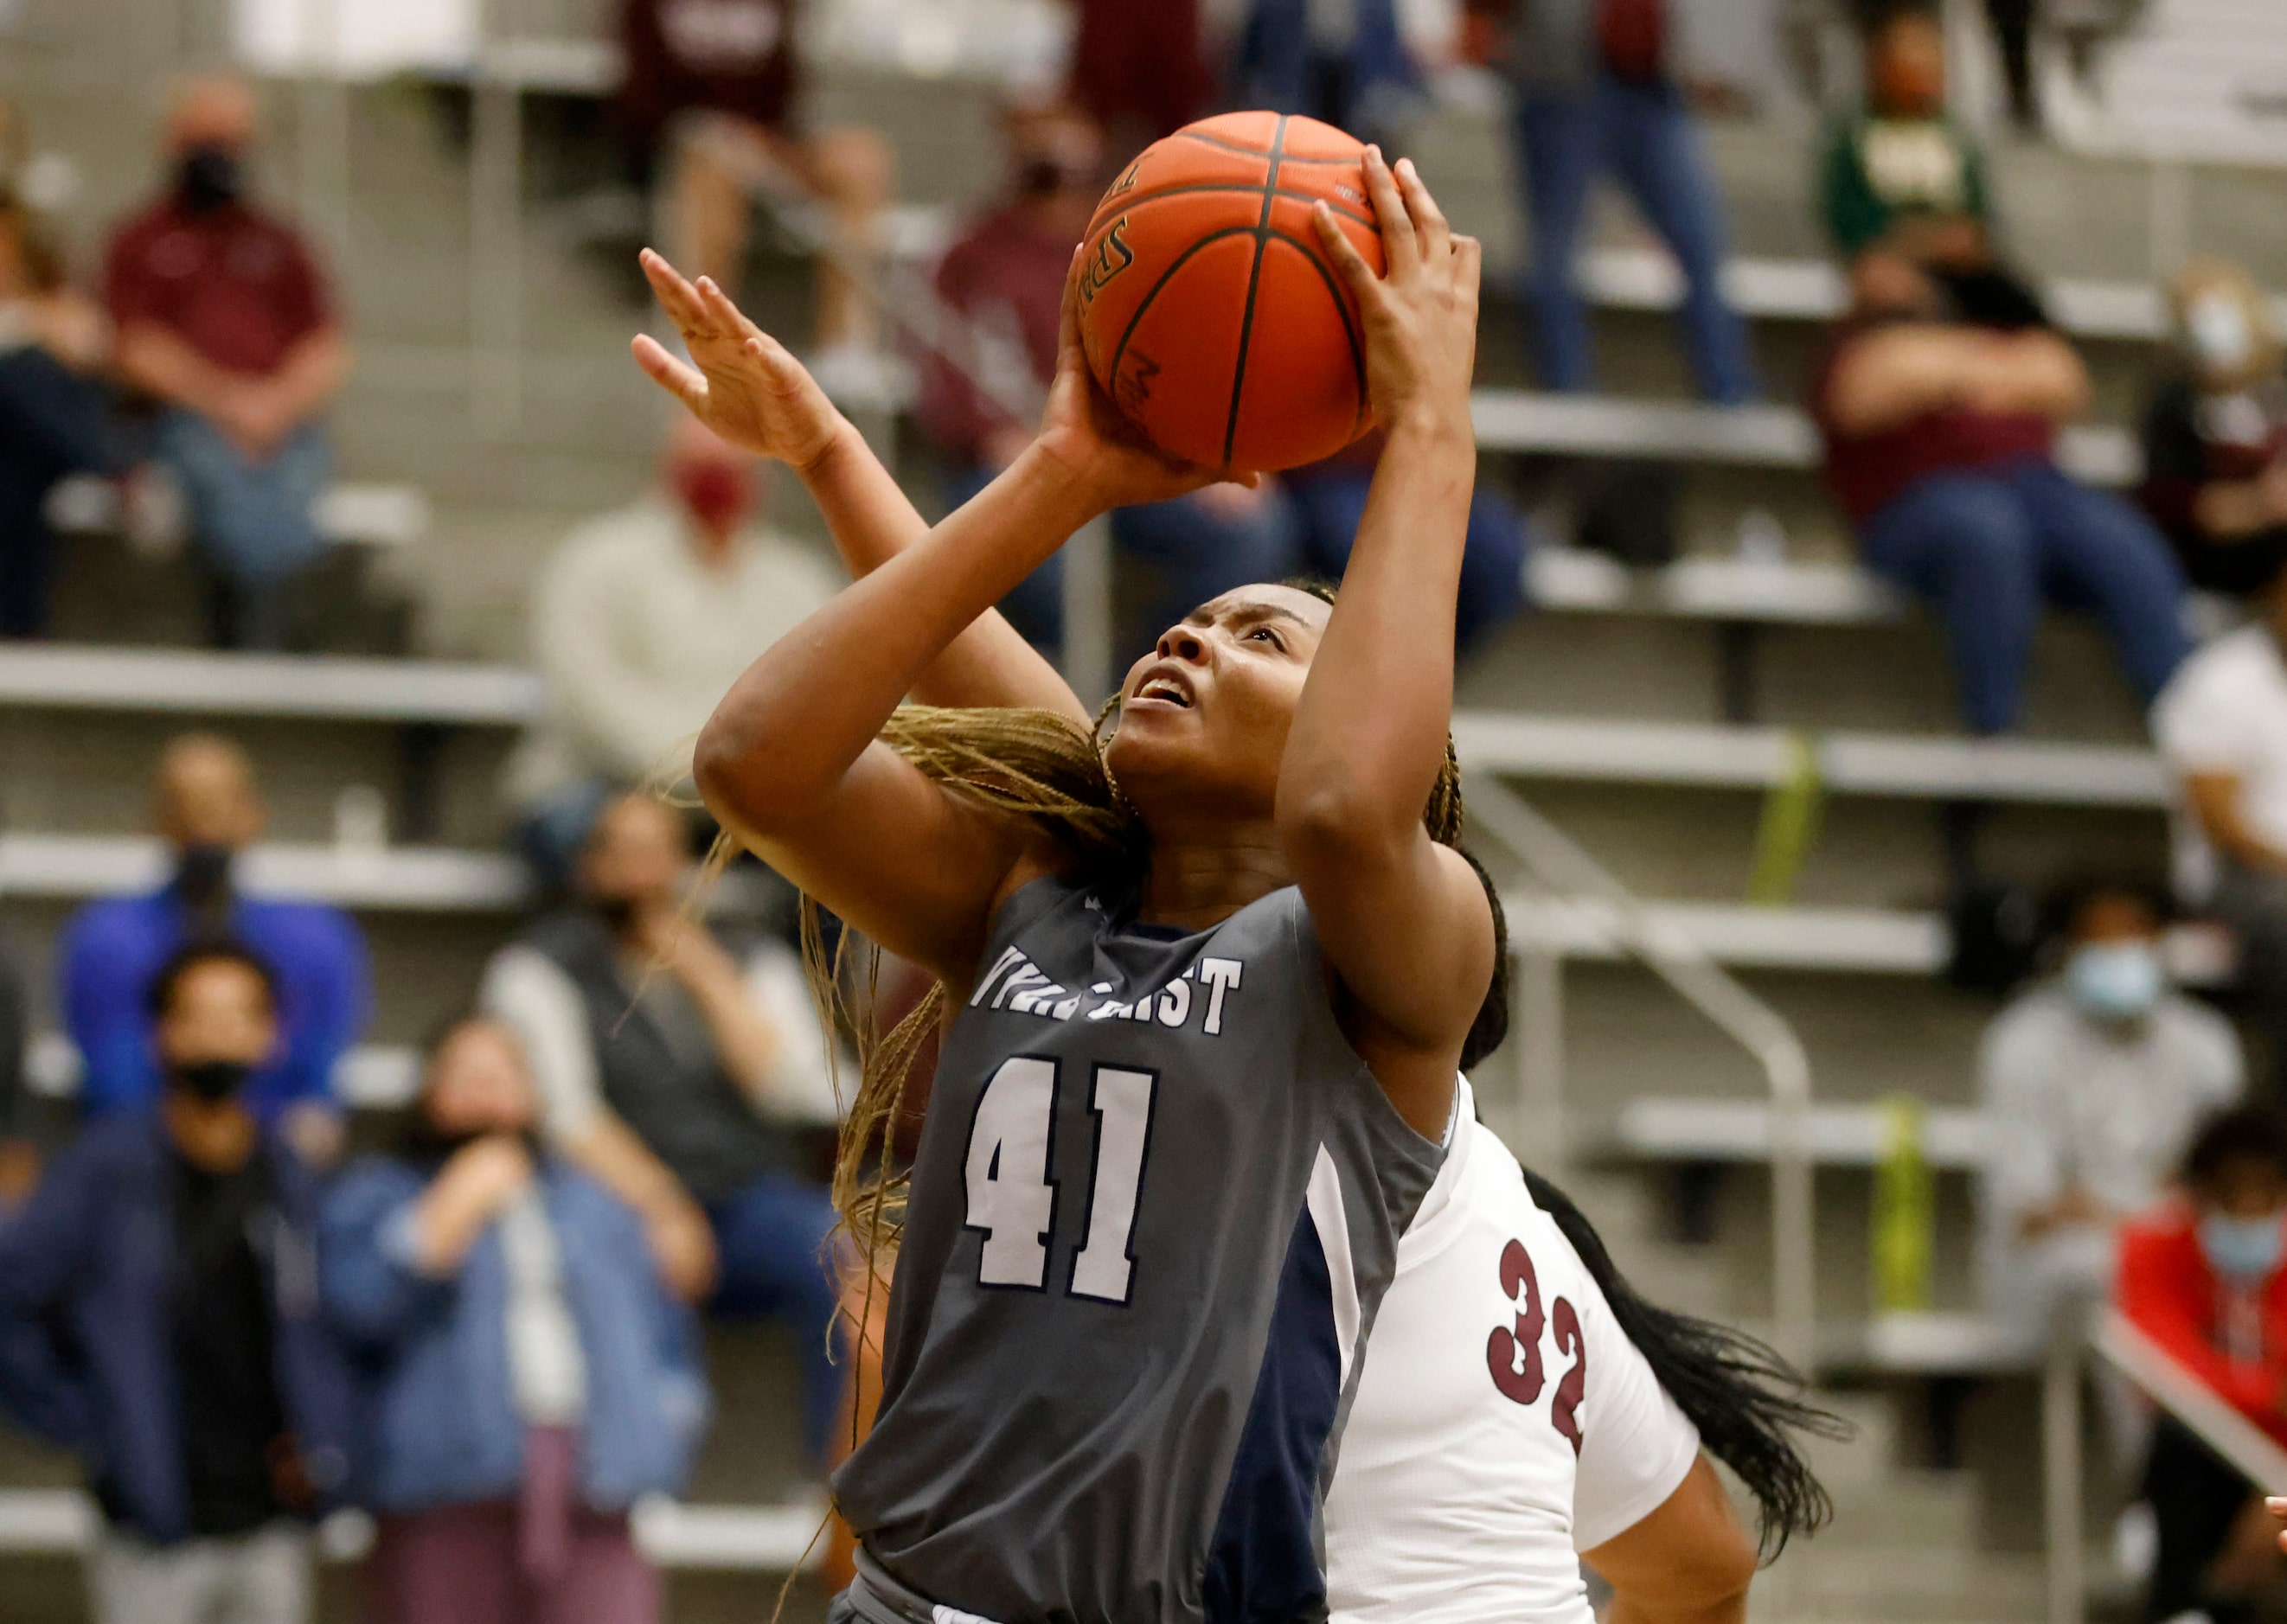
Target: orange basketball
point(1210, 313)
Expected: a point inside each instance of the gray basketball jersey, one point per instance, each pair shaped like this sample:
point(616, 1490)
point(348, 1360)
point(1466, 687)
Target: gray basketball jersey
point(1155, 1203)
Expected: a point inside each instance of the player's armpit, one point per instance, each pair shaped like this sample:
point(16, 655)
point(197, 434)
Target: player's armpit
point(1690, 1562)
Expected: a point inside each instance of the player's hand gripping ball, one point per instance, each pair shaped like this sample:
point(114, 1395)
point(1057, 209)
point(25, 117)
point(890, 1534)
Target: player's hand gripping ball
point(1208, 311)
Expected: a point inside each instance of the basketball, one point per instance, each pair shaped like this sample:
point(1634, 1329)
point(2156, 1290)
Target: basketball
point(1209, 311)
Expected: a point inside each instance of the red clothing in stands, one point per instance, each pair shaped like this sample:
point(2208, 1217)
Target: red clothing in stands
point(2235, 1341)
point(729, 55)
point(1631, 35)
point(1864, 471)
point(1008, 274)
point(1136, 65)
point(233, 284)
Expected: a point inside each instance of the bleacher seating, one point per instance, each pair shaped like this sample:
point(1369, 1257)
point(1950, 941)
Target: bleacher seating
point(385, 879)
point(321, 687)
point(1776, 436)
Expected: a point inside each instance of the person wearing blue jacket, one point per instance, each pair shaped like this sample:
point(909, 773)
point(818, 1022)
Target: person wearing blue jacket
point(159, 1313)
point(209, 810)
point(529, 1374)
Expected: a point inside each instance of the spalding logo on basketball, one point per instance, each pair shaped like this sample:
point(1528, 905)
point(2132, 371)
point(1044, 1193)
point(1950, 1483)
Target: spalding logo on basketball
point(1209, 312)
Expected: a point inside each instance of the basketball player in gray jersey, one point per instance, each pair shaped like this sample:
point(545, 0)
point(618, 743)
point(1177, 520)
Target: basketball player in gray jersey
point(1211, 983)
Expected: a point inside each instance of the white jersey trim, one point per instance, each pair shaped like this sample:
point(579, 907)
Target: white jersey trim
point(1331, 1219)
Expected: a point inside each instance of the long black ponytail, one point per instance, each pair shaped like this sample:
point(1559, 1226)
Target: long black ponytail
point(1741, 1395)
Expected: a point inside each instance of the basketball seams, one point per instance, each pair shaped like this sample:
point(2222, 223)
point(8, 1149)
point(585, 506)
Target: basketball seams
point(1356, 340)
point(1257, 152)
point(1234, 189)
point(1262, 235)
point(1120, 350)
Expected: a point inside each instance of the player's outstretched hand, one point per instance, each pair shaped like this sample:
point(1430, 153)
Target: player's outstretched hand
point(740, 381)
point(1085, 432)
point(1421, 317)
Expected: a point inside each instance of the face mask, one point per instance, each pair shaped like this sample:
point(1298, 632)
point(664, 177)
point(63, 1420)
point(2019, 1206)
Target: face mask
point(2220, 333)
point(213, 1081)
point(207, 179)
point(2241, 1249)
point(716, 495)
point(2118, 981)
point(202, 876)
point(617, 913)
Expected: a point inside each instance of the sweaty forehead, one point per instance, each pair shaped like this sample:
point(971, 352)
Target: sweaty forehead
point(1256, 603)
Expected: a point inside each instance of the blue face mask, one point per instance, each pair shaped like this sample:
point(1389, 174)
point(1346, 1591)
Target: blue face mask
point(2243, 1250)
point(2115, 981)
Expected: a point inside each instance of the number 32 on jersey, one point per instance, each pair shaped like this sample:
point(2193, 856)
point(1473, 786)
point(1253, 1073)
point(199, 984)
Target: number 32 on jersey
point(1012, 1198)
point(1513, 1351)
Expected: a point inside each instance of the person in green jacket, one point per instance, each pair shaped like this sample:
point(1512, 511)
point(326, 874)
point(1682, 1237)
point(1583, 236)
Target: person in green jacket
point(1899, 173)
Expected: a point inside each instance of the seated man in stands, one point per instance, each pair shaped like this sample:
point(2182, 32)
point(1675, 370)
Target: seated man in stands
point(54, 410)
point(640, 621)
point(167, 1257)
point(682, 1072)
point(207, 810)
point(2203, 1278)
point(710, 90)
point(2093, 1081)
point(2215, 435)
point(2223, 728)
point(466, 1250)
point(1003, 287)
point(224, 319)
point(1939, 438)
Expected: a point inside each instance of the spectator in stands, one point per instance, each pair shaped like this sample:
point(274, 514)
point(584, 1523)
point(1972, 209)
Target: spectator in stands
point(169, 1255)
point(2223, 728)
point(639, 622)
point(1899, 174)
point(2202, 1277)
point(1329, 498)
point(1005, 280)
point(223, 318)
point(2094, 1082)
point(54, 415)
point(710, 96)
point(1939, 438)
point(1346, 65)
point(19, 1162)
point(207, 810)
point(531, 1376)
point(2215, 435)
point(1597, 91)
point(680, 1070)
point(1139, 70)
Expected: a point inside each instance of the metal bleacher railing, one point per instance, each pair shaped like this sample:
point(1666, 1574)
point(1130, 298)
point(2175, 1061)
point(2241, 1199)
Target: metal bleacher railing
point(1555, 860)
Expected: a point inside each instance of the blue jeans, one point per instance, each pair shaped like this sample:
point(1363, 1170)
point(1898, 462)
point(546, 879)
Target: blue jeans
point(1987, 546)
point(1199, 554)
point(1492, 558)
point(1642, 133)
point(771, 1239)
point(53, 421)
point(251, 522)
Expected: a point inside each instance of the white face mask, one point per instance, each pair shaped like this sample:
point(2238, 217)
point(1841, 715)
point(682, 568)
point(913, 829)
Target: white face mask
point(2115, 980)
point(2220, 334)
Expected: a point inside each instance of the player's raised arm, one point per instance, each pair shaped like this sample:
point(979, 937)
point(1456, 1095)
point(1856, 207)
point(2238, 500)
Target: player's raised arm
point(1403, 921)
point(745, 385)
point(790, 760)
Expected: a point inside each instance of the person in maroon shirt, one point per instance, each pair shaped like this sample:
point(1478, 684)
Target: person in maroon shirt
point(1001, 287)
point(223, 317)
point(1938, 438)
point(1139, 70)
point(710, 94)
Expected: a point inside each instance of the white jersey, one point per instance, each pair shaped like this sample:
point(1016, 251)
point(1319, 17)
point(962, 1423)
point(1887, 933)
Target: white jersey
point(1503, 1422)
